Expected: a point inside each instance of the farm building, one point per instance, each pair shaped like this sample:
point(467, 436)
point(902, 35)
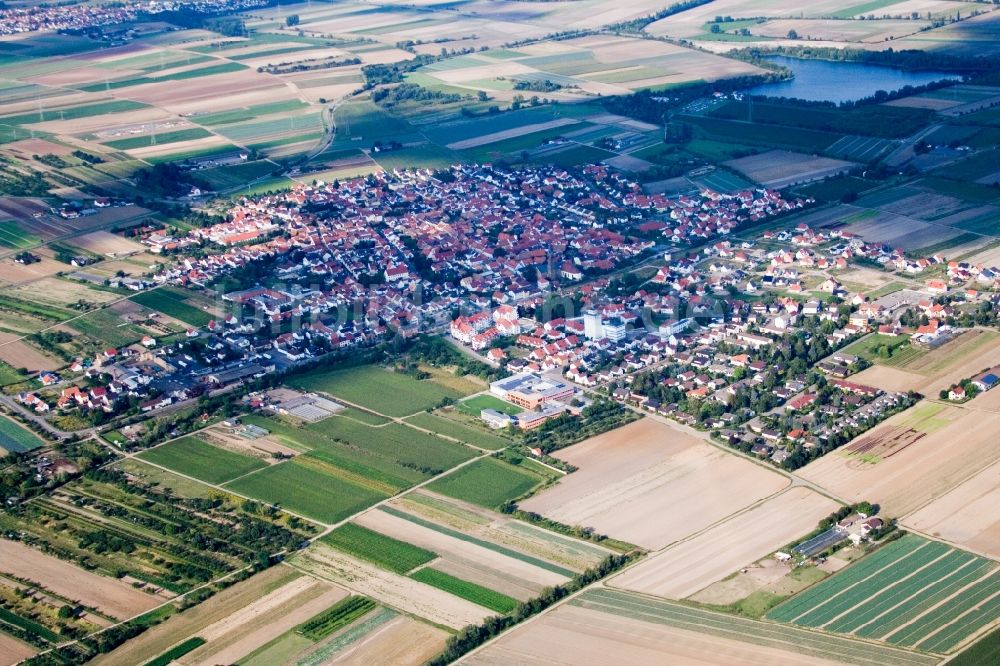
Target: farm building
point(988, 379)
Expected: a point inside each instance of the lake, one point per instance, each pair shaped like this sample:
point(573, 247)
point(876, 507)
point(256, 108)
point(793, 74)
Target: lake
point(831, 81)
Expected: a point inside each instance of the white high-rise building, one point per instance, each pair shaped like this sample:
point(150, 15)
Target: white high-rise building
point(592, 329)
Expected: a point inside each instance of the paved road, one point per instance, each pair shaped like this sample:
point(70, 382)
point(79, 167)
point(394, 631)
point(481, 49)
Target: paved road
point(14, 406)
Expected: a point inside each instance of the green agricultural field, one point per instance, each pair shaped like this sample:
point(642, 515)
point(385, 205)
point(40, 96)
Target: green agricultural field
point(885, 290)
point(386, 552)
point(985, 652)
point(178, 651)
point(180, 485)
point(477, 594)
point(833, 189)
point(377, 388)
point(196, 153)
point(9, 375)
point(263, 129)
point(713, 151)
point(971, 168)
point(364, 121)
point(723, 180)
point(173, 304)
point(275, 184)
point(473, 406)
point(248, 113)
point(906, 593)
point(16, 438)
point(235, 175)
point(408, 446)
point(193, 457)
point(223, 68)
point(491, 124)
point(745, 630)
point(383, 473)
point(903, 356)
point(366, 417)
point(302, 488)
point(427, 156)
point(488, 482)
point(866, 346)
point(16, 238)
point(35, 309)
point(471, 435)
point(73, 112)
point(793, 138)
point(880, 121)
point(575, 155)
point(107, 327)
point(972, 192)
point(339, 615)
point(188, 134)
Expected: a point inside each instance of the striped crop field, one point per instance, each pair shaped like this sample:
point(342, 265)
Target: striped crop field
point(766, 634)
point(912, 592)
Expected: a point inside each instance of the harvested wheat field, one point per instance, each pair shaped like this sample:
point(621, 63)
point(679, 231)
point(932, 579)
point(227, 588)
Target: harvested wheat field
point(964, 356)
point(109, 595)
point(191, 622)
point(686, 568)
point(106, 243)
point(889, 379)
point(13, 651)
point(957, 442)
point(14, 272)
point(967, 515)
point(781, 168)
point(395, 591)
point(574, 635)
point(244, 631)
point(635, 483)
point(401, 640)
point(19, 354)
point(60, 293)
